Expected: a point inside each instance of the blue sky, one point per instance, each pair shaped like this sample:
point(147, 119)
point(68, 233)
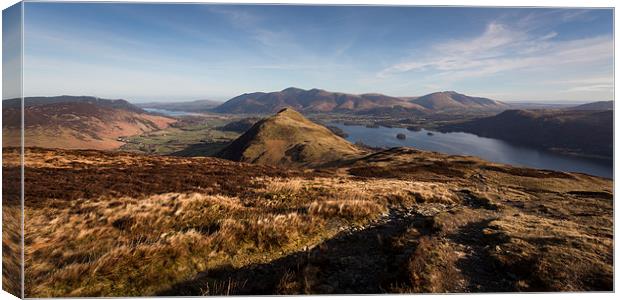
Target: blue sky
point(174, 52)
point(11, 51)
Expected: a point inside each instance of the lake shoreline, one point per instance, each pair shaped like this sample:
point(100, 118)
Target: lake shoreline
point(490, 149)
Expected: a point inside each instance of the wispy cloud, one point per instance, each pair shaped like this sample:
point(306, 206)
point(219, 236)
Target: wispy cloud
point(584, 84)
point(281, 46)
point(501, 48)
point(591, 88)
point(237, 16)
point(252, 24)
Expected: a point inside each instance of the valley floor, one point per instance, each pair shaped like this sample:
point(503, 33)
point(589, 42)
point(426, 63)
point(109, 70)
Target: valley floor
point(398, 221)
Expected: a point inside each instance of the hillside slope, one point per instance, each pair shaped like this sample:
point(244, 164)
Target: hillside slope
point(288, 138)
point(450, 100)
point(77, 122)
point(579, 132)
point(599, 105)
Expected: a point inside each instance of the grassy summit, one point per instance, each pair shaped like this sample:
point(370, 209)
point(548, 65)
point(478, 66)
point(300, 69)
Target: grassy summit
point(288, 138)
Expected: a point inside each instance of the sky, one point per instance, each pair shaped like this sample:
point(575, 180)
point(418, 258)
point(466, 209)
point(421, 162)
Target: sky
point(179, 52)
point(11, 52)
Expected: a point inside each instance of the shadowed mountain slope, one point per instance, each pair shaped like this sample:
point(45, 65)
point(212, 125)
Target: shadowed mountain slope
point(240, 126)
point(288, 138)
point(580, 132)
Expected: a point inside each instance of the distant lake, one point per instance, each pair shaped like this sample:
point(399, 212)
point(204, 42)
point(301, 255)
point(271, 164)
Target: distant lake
point(458, 143)
point(172, 113)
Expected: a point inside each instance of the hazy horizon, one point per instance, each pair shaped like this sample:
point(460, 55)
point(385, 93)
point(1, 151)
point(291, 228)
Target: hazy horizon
point(184, 52)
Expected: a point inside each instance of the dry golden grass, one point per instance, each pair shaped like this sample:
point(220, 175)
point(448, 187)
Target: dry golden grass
point(285, 185)
point(266, 232)
point(348, 209)
point(166, 238)
point(375, 189)
point(11, 248)
point(135, 246)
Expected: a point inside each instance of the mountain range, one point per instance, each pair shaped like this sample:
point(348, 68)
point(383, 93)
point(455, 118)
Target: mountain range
point(321, 101)
point(78, 122)
point(314, 100)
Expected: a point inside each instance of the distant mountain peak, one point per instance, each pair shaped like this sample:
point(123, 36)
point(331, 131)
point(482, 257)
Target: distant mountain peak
point(293, 89)
point(451, 100)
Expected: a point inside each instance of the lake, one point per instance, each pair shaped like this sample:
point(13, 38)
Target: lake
point(171, 113)
point(494, 150)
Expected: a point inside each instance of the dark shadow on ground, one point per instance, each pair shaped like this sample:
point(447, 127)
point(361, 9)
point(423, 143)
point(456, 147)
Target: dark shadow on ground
point(481, 272)
point(357, 262)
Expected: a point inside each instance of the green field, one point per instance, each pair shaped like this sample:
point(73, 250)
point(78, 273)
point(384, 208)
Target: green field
point(189, 137)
